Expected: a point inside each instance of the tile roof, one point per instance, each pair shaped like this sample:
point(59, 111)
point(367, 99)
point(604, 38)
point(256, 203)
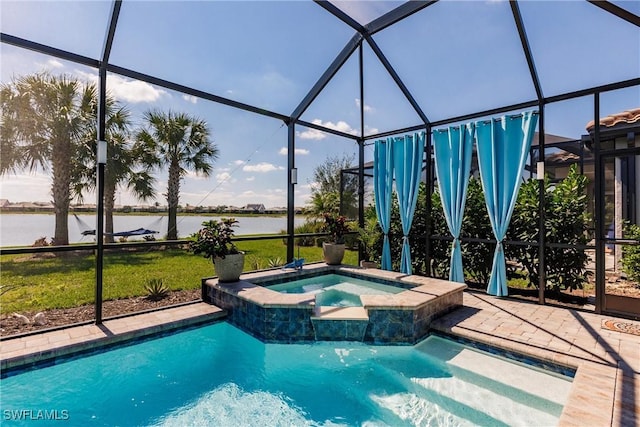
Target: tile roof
point(628, 116)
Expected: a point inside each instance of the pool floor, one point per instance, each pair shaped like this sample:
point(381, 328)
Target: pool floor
point(219, 375)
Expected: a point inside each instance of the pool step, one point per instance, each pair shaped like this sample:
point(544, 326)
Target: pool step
point(543, 389)
point(509, 394)
point(501, 407)
point(340, 313)
point(339, 323)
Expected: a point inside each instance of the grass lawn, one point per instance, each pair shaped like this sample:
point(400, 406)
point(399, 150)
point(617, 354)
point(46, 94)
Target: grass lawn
point(44, 281)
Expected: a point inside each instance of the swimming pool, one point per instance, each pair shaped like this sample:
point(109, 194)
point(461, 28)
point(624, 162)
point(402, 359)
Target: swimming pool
point(219, 375)
point(335, 289)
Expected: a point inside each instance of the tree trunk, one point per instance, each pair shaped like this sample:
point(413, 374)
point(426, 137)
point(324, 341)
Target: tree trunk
point(109, 202)
point(173, 194)
point(61, 191)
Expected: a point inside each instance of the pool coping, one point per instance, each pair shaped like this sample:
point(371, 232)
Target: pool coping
point(426, 288)
point(26, 352)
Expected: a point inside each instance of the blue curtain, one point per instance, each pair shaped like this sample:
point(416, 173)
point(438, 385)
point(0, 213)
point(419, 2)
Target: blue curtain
point(503, 146)
point(383, 182)
point(452, 150)
point(408, 153)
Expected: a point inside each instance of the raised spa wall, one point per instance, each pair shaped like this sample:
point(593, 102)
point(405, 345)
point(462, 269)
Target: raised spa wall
point(275, 317)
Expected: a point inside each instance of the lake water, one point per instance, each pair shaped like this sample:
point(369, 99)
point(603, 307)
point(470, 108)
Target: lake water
point(24, 229)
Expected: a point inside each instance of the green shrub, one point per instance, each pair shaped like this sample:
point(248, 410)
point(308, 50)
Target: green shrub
point(631, 254)
point(477, 258)
point(156, 289)
point(275, 262)
point(308, 227)
point(566, 222)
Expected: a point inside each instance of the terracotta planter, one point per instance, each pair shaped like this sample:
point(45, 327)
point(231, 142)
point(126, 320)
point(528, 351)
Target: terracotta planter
point(229, 268)
point(333, 253)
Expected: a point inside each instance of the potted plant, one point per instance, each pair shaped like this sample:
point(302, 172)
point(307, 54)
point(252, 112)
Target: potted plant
point(333, 249)
point(213, 241)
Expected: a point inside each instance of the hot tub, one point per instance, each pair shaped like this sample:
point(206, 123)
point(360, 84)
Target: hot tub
point(337, 303)
point(335, 290)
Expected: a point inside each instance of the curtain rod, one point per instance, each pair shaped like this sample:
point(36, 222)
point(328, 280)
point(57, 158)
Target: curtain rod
point(512, 116)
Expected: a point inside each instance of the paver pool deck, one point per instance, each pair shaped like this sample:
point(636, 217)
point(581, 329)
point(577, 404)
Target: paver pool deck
point(605, 390)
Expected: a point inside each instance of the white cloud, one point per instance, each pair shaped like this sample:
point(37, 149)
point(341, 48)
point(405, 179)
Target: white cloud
point(223, 176)
point(261, 167)
point(124, 89)
point(133, 90)
point(196, 176)
point(300, 151)
point(238, 162)
point(370, 131)
point(312, 186)
point(55, 63)
point(190, 98)
point(251, 178)
point(367, 108)
point(315, 134)
point(26, 187)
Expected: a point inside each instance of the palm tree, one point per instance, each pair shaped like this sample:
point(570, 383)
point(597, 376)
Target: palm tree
point(182, 143)
point(43, 120)
point(126, 166)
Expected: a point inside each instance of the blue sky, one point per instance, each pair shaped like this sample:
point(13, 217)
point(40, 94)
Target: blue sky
point(456, 58)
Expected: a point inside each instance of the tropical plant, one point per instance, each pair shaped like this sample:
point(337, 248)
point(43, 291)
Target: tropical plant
point(156, 289)
point(325, 193)
point(631, 254)
point(43, 120)
point(369, 236)
point(214, 239)
point(275, 262)
point(255, 263)
point(336, 226)
point(182, 143)
point(126, 166)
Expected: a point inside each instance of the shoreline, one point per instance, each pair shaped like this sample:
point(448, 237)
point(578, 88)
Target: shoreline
point(213, 214)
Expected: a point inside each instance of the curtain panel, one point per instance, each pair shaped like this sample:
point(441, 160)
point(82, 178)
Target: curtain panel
point(408, 156)
point(503, 147)
point(453, 148)
point(383, 182)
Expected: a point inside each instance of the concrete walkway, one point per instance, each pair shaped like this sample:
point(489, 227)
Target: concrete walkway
point(606, 388)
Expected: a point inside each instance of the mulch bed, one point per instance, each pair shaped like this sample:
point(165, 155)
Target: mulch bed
point(10, 325)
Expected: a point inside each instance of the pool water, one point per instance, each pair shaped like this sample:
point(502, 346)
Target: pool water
point(336, 289)
point(218, 375)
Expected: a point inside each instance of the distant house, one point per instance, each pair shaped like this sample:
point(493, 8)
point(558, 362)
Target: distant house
point(4, 203)
point(276, 210)
point(255, 208)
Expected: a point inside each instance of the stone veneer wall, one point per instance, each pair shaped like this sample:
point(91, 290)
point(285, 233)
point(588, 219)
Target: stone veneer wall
point(272, 324)
point(293, 324)
point(340, 330)
point(407, 326)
